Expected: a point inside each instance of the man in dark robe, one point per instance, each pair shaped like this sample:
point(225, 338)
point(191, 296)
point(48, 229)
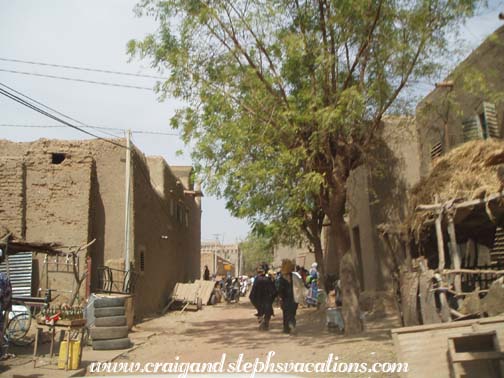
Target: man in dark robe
point(287, 296)
point(262, 295)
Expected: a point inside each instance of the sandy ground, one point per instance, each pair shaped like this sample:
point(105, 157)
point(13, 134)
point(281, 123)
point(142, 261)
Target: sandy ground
point(204, 336)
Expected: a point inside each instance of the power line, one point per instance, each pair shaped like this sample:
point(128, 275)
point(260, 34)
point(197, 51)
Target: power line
point(88, 126)
point(53, 110)
point(82, 68)
point(43, 112)
point(76, 79)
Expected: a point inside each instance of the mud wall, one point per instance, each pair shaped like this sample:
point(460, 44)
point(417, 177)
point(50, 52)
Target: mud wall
point(12, 195)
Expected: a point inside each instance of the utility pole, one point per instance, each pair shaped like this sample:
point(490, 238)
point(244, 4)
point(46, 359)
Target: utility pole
point(127, 203)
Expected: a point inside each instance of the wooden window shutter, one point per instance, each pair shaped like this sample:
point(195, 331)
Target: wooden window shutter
point(490, 124)
point(472, 128)
point(436, 151)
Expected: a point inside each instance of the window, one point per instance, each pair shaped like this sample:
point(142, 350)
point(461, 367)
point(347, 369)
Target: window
point(57, 158)
point(142, 261)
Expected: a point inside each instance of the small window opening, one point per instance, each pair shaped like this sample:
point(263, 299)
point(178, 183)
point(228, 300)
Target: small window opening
point(142, 261)
point(57, 158)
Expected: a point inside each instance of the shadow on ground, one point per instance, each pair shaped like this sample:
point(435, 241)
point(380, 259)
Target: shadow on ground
point(243, 333)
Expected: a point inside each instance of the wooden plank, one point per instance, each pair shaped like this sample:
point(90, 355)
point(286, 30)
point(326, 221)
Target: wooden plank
point(475, 356)
point(409, 294)
point(441, 326)
point(427, 299)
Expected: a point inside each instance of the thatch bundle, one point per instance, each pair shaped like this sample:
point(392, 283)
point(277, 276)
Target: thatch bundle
point(468, 172)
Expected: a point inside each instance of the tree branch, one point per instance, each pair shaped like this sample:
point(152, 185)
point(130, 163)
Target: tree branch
point(364, 45)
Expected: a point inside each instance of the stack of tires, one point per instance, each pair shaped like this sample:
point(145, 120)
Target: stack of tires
point(110, 330)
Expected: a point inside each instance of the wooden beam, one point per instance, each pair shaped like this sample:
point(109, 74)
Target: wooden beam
point(455, 255)
point(469, 203)
point(440, 242)
point(473, 271)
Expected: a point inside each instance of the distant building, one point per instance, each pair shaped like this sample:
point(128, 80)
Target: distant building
point(217, 265)
point(72, 192)
point(300, 254)
point(229, 252)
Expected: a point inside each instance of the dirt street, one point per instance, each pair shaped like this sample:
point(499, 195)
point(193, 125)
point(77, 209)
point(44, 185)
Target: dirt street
point(232, 329)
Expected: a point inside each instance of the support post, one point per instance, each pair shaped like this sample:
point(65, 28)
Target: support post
point(127, 203)
point(440, 242)
point(455, 255)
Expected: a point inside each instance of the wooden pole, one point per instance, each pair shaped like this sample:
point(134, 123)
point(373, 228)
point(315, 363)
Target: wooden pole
point(473, 271)
point(440, 242)
point(127, 203)
point(455, 255)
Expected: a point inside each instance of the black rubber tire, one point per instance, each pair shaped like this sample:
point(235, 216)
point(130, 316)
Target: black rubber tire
point(109, 333)
point(110, 321)
point(116, 344)
point(109, 302)
point(108, 311)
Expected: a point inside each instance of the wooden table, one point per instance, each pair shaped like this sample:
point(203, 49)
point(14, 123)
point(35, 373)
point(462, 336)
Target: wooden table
point(66, 326)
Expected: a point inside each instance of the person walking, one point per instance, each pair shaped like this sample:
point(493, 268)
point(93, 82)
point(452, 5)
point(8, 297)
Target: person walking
point(291, 292)
point(262, 295)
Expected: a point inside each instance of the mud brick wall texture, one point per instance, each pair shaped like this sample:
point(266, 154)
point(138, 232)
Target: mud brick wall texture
point(12, 195)
point(74, 191)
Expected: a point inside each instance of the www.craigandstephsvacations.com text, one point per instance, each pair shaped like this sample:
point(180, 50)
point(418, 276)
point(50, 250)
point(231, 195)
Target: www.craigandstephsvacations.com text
point(241, 365)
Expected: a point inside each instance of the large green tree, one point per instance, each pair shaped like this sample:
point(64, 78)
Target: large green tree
point(285, 97)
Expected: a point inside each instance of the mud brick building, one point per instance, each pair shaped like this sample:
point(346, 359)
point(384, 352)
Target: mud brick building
point(72, 192)
point(469, 104)
point(230, 253)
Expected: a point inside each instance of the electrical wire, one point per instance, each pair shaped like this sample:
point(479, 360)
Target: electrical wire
point(54, 110)
point(81, 68)
point(43, 112)
point(76, 79)
point(88, 126)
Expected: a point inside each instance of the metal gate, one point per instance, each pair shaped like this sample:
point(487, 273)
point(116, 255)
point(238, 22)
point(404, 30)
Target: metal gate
point(20, 272)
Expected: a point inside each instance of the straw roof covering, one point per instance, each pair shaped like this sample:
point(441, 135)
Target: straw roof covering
point(467, 172)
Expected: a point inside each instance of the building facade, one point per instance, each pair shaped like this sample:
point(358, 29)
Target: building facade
point(469, 104)
point(229, 252)
point(72, 192)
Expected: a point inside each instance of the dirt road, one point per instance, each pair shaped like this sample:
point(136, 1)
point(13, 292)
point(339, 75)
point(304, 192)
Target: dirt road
point(205, 335)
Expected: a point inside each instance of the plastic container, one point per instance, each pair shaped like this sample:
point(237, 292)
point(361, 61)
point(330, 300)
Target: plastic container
point(335, 319)
point(74, 358)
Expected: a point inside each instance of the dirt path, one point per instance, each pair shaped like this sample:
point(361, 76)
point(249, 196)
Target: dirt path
point(205, 335)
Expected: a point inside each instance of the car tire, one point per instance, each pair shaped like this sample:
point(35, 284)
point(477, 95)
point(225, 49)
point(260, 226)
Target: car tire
point(116, 344)
point(109, 302)
point(102, 312)
point(110, 321)
point(108, 333)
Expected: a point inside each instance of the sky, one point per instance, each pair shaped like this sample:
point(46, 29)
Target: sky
point(93, 34)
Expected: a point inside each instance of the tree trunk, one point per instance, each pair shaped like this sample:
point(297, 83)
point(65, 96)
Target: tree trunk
point(337, 244)
point(319, 258)
point(350, 291)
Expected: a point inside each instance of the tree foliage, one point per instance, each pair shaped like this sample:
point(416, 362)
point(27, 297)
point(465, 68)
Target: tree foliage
point(284, 97)
point(256, 249)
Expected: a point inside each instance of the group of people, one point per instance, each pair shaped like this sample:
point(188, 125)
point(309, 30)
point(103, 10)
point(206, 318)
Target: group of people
point(288, 286)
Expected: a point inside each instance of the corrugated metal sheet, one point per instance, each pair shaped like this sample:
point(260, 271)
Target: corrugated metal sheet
point(425, 348)
point(20, 272)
